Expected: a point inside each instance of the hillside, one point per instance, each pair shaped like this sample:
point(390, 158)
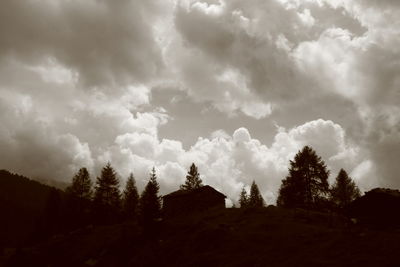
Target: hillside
point(22, 201)
point(232, 237)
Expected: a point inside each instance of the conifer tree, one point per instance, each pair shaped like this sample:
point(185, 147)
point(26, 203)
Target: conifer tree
point(130, 198)
point(307, 183)
point(81, 187)
point(79, 196)
point(107, 194)
point(150, 202)
point(193, 180)
point(244, 199)
point(255, 199)
point(344, 190)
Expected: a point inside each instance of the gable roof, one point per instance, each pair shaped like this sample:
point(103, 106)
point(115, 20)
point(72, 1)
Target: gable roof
point(201, 190)
point(384, 191)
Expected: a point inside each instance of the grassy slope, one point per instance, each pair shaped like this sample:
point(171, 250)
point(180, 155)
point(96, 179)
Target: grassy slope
point(234, 237)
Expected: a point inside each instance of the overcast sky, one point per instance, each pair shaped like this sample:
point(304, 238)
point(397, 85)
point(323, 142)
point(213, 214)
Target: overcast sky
point(238, 87)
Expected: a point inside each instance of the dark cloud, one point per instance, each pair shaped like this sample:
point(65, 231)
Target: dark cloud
point(105, 42)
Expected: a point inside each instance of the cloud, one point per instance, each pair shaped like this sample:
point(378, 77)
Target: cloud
point(231, 162)
point(241, 135)
point(103, 42)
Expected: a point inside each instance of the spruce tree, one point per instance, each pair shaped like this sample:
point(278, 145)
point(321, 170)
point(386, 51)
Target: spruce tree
point(81, 187)
point(344, 190)
point(79, 196)
point(107, 195)
point(244, 199)
point(307, 183)
point(150, 202)
point(130, 198)
point(193, 180)
point(255, 199)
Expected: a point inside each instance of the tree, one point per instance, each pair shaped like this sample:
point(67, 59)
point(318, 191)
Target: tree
point(255, 199)
point(193, 180)
point(79, 196)
point(344, 190)
point(150, 202)
point(107, 194)
point(130, 198)
point(81, 186)
point(244, 199)
point(307, 183)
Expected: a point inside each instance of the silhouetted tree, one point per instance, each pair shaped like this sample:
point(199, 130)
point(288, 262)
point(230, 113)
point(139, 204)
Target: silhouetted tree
point(244, 199)
point(130, 198)
point(193, 180)
point(255, 199)
point(344, 190)
point(79, 196)
point(107, 195)
point(307, 183)
point(150, 202)
point(81, 186)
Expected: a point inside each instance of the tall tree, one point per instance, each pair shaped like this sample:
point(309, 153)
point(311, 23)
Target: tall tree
point(255, 199)
point(344, 190)
point(193, 180)
point(307, 182)
point(79, 196)
point(244, 198)
point(150, 202)
point(130, 198)
point(81, 186)
point(107, 195)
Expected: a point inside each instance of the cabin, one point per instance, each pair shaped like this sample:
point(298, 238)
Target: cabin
point(196, 200)
point(379, 206)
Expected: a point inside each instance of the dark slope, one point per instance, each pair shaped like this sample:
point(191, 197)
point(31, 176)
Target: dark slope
point(22, 202)
point(233, 237)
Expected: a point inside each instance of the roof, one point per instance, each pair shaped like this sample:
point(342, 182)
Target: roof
point(384, 191)
point(200, 190)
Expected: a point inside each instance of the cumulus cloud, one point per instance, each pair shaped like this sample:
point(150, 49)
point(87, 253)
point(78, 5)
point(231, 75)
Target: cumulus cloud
point(232, 162)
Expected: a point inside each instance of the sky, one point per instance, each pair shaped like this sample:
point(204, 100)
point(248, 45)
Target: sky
point(237, 87)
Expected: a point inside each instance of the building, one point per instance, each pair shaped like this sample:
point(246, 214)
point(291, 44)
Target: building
point(379, 206)
point(196, 200)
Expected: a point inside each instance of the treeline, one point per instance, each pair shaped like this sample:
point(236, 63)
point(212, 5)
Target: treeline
point(306, 186)
point(84, 203)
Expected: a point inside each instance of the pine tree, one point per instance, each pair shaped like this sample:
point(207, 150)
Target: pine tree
point(107, 194)
point(244, 199)
point(344, 190)
point(130, 198)
point(79, 196)
point(81, 187)
point(307, 183)
point(193, 180)
point(255, 199)
point(150, 202)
